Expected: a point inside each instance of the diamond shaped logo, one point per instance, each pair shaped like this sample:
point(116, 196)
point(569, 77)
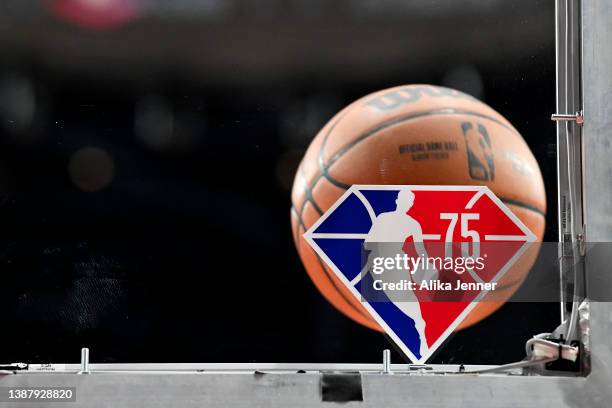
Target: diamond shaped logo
point(421, 258)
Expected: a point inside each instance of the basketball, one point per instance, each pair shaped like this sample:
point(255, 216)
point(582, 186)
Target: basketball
point(422, 135)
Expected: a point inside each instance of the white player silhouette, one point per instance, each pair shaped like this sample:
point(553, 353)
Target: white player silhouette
point(386, 238)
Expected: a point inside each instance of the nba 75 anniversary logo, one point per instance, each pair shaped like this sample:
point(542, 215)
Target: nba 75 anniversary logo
point(402, 250)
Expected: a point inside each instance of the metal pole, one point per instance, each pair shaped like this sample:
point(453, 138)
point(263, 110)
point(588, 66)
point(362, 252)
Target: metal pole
point(84, 361)
point(386, 361)
point(569, 119)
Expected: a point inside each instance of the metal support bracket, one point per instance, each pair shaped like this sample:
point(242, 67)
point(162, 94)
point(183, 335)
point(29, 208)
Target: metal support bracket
point(566, 117)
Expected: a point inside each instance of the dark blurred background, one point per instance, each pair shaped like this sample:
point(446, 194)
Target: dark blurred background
point(147, 151)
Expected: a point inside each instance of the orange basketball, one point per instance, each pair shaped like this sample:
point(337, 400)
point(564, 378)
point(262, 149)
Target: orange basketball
point(416, 134)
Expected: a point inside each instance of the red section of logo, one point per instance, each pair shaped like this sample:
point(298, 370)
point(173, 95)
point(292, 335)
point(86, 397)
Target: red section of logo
point(499, 239)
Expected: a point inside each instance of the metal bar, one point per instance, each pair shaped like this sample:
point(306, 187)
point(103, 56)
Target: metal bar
point(597, 150)
point(566, 117)
point(152, 390)
point(242, 367)
point(569, 156)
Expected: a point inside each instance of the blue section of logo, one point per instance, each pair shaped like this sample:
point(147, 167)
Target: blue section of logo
point(402, 325)
point(345, 254)
point(381, 200)
point(351, 217)
point(341, 237)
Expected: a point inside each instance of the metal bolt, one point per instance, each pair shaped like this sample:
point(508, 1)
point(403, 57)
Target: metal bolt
point(386, 361)
point(84, 361)
point(566, 117)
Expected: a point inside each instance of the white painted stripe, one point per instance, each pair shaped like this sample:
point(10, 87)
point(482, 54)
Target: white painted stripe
point(474, 199)
point(341, 235)
point(366, 204)
point(475, 276)
point(431, 236)
point(506, 238)
point(338, 235)
point(356, 279)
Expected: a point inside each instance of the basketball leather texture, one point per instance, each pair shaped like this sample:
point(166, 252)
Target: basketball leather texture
point(424, 135)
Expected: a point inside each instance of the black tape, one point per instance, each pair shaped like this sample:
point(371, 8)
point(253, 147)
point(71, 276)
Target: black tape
point(336, 387)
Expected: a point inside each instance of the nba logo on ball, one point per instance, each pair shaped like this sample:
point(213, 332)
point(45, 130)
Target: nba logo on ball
point(421, 258)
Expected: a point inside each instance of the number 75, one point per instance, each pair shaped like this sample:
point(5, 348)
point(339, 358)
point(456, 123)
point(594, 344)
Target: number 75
point(465, 233)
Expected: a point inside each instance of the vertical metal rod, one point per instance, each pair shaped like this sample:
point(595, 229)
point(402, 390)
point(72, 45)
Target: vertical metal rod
point(386, 361)
point(560, 95)
point(84, 361)
point(569, 148)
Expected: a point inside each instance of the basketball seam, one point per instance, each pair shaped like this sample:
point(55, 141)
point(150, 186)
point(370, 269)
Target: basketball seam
point(444, 111)
point(308, 197)
point(522, 204)
point(404, 118)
